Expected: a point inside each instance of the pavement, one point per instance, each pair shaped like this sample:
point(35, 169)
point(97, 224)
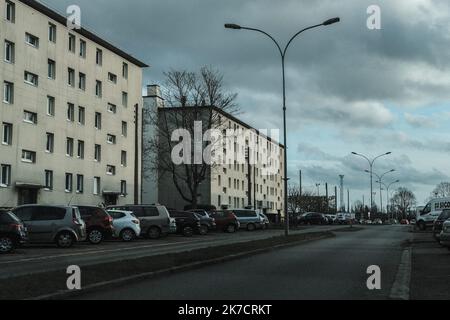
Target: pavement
point(334, 268)
point(37, 258)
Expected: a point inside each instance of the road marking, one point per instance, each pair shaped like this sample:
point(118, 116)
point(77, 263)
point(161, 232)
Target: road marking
point(400, 288)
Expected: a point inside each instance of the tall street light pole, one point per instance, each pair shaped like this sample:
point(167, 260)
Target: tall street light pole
point(380, 181)
point(371, 163)
point(388, 186)
point(283, 56)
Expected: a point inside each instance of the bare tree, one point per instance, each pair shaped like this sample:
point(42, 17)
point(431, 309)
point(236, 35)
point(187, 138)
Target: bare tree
point(404, 199)
point(293, 199)
point(442, 190)
point(189, 97)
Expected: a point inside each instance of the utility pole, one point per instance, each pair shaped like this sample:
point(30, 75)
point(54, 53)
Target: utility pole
point(300, 188)
point(335, 197)
point(136, 154)
point(342, 204)
point(327, 201)
point(348, 199)
point(249, 180)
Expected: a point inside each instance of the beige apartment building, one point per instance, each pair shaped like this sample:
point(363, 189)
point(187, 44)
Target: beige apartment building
point(67, 112)
point(235, 183)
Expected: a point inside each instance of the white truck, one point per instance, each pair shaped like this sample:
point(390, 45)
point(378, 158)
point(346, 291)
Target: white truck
point(429, 214)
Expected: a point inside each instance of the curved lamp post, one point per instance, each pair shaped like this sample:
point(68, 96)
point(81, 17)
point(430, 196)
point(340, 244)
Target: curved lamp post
point(283, 56)
point(380, 181)
point(388, 186)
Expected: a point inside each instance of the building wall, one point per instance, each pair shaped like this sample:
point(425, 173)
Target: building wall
point(33, 136)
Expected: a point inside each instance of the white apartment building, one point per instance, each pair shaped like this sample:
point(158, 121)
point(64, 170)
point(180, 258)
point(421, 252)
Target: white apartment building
point(67, 112)
point(234, 184)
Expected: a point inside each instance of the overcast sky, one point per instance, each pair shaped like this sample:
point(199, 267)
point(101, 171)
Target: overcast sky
point(349, 88)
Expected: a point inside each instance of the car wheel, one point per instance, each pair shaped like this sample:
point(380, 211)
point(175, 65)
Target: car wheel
point(422, 226)
point(231, 228)
point(64, 240)
point(127, 235)
point(6, 244)
point(95, 236)
point(251, 227)
point(203, 230)
point(154, 233)
point(188, 231)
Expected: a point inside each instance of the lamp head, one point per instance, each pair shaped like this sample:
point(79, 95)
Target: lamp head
point(331, 21)
point(232, 26)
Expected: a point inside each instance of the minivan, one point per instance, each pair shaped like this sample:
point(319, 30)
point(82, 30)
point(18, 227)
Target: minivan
point(427, 216)
point(248, 219)
point(52, 224)
point(154, 219)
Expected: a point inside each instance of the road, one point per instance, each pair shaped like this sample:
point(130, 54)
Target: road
point(333, 268)
point(36, 259)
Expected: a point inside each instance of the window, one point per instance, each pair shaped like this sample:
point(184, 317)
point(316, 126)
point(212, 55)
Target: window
point(81, 115)
point(5, 175)
point(70, 112)
point(125, 70)
point(7, 134)
point(48, 180)
point(98, 120)
point(110, 170)
point(32, 40)
point(69, 147)
point(50, 106)
point(80, 183)
point(82, 48)
point(10, 51)
point(31, 78)
point(49, 147)
point(82, 82)
point(112, 77)
point(98, 89)
point(99, 57)
point(123, 158)
point(111, 139)
point(51, 32)
point(125, 99)
point(51, 69)
point(123, 188)
point(72, 40)
point(98, 153)
point(10, 11)
point(124, 128)
point(8, 92)
point(97, 185)
point(69, 182)
point(80, 150)
point(30, 117)
point(71, 77)
point(112, 108)
point(28, 156)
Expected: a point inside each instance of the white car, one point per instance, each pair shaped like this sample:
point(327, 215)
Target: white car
point(127, 226)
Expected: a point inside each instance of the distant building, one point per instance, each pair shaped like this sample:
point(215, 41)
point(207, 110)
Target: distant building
point(67, 111)
point(235, 183)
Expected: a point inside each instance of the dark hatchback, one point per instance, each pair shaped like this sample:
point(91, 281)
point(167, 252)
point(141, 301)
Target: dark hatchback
point(313, 218)
point(439, 223)
point(12, 232)
point(188, 223)
point(99, 224)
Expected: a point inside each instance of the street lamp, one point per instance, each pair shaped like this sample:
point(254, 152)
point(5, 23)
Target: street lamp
point(371, 163)
point(388, 186)
point(283, 56)
point(318, 189)
point(380, 179)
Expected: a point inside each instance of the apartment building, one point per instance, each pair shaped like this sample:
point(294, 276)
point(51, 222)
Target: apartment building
point(252, 174)
point(67, 111)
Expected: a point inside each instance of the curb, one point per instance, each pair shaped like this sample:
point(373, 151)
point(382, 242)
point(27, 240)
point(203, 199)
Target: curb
point(65, 294)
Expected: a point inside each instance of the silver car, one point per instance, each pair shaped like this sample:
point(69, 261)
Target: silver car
point(126, 226)
point(445, 234)
point(249, 219)
point(52, 224)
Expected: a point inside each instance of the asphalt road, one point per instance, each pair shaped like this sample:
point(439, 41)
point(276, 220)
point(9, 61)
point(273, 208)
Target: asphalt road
point(38, 258)
point(333, 268)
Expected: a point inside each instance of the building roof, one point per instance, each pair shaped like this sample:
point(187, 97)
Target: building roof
point(225, 114)
point(84, 32)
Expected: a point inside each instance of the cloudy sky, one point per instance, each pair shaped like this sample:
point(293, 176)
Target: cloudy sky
point(349, 88)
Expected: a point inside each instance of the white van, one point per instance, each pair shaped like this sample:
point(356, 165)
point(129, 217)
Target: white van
point(427, 216)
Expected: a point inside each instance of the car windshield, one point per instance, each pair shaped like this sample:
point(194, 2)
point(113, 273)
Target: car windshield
point(445, 215)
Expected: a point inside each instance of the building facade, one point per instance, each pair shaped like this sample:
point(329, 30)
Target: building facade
point(67, 113)
point(248, 173)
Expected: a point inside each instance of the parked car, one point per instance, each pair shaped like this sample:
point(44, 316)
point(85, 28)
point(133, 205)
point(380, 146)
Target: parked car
point(265, 223)
point(378, 221)
point(311, 218)
point(445, 234)
point(99, 224)
point(207, 223)
point(226, 221)
point(248, 219)
point(47, 224)
point(173, 226)
point(329, 218)
point(12, 232)
point(438, 224)
point(405, 222)
point(188, 223)
point(154, 219)
point(126, 225)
